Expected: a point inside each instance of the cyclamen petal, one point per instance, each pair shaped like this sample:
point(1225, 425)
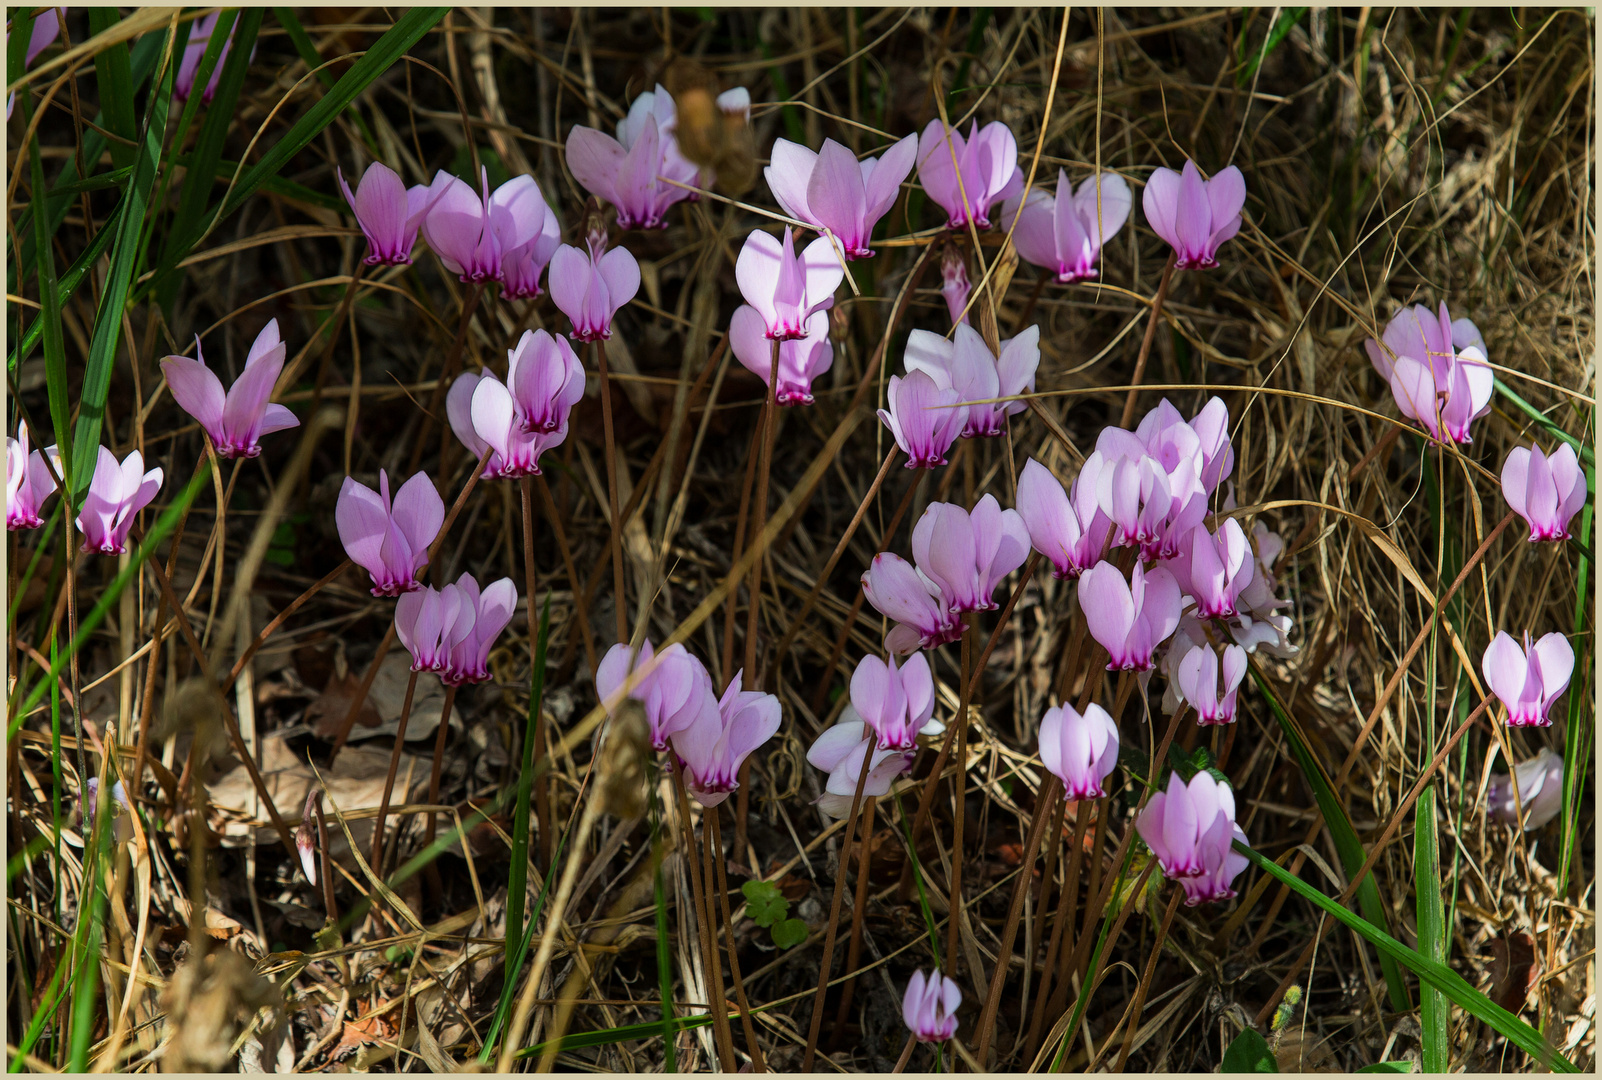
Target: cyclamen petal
point(800, 359)
point(1060, 233)
point(1528, 680)
point(713, 746)
point(968, 176)
point(476, 233)
point(389, 213)
point(546, 380)
point(924, 417)
point(832, 190)
point(930, 1005)
point(787, 290)
point(234, 421)
point(589, 291)
point(897, 591)
point(1540, 791)
point(1080, 750)
point(1545, 491)
point(1189, 828)
point(29, 480)
point(1198, 679)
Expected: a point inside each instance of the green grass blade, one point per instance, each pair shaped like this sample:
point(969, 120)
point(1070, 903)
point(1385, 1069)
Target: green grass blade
point(1347, 844)
point(406, 32)
point(190, 221)
point(114, 76)
point(165, 524)
point(69, 283)
point(314, 62)
point(55, 353)
point(1577, 740)
point(623, 1033)
point(1433, 1013)
point(124, 265)
point(1277, 34)
point(1433, 972)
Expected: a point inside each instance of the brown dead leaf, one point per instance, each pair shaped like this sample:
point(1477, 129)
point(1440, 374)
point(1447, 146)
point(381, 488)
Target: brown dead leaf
point(1514, 968)
point(327, 714)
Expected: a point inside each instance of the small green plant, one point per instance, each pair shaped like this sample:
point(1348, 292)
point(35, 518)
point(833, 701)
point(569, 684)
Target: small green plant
point(767, 907)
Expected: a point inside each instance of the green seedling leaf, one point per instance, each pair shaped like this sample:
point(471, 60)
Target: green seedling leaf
point(789, 933)
point(1249, 1053)
point(764, 905)
point(1388, 1067)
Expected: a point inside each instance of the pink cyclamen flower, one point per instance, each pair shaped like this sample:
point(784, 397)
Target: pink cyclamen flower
point(714, 745)
point(46, 28)
point(901, 593)
point(1198, 682)
point(235, 420)
point(116, 494)
point(590, 287)
point(1194, 215)
point(897, 703)
point(930, 1006)
point(786, 290)
point(1189, 828)
point(841, 751)
point(673, 692)
point(954, 284)
point(1071, 532)
point(1530, 679)
point(29, 481)
point(968, 555)
point(632, 171)
point(832, 190)
point(200, 31)
point(968, 176)
point(498, 421)
point(546, 380)
point(450, 630)
point(1059, 233)
point(389, 539)
point(1081, 751)
point(389, 212)
point(1215, 569)
point(978, 375)
point(1129, 618)
point(1545, 491)
point(1437, 370)
point(800, 359)
point(475, 232)
point(1540, 783)
point(924, 417)
point(521, 268)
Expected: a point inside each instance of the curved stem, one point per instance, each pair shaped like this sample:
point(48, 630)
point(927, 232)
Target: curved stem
point(1145, 344)
point(389, 779)
point(619, 595)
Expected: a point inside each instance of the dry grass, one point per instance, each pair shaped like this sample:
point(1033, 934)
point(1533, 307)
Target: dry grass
point(1391, 157)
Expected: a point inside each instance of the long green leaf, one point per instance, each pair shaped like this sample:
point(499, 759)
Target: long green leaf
point(1433, 972)
point(69, 283)
point(114, 76)
point(165, 524)
point(55, 353)
point(124, 266)
point(1577, 740)
point(1587, 457)
point(1431, 914)
point(190, 221)
point(314, 62)
point(391, 47)
point(1347, 844)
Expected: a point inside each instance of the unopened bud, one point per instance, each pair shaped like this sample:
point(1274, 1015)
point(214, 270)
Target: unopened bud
point(306, 835)
point(954, 283)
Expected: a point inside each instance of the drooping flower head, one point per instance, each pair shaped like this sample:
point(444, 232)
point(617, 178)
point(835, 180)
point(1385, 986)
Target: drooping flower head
point(924, 417)
point(116, 493)
point(632, 171)
point(832, 190)
point(235, 420)
point(968, 555)
point(1540, 782)
point(546, 380)
point(389, 539)
point(1189, 828)
point(1129, 618)
point(800, 359)
point(29, 481)
point(590, 286)
point(930, 1006)
point(474, 233)
point(1194, 215)
point(968, 177)
point(1070, 531)
point(897, 703)
point(1198, 681)
point(1213, 569)
point(496, 419)
point(1080, 750)
point(450, 631)
point(714, 745)
point(1545, 491)
point(673, 693)
point(1530, 679)
point(1439, 375)
point(978, 375)
point(954, 284)
point(787, 290)
point(389, 212)
point(1066, 232)
point(901, 593)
